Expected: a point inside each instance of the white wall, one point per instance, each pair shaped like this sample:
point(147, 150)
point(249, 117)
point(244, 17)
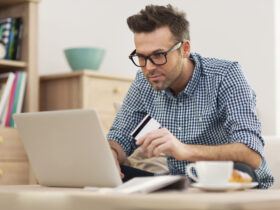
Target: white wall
point(277, 64)
point(242, 30)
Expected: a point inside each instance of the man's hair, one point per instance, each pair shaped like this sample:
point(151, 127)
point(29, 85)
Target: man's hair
point(154, 16)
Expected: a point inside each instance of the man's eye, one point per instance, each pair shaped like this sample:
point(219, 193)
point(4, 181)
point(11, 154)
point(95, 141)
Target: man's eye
point(140, 57)
point(157, 56)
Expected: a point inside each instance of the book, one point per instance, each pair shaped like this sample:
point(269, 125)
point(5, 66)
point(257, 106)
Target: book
point(11, 101)
point(6, 82)
point(5, 26)
point(17, 41)
point(1, 31)
point(12, 40)
point(14, 105)
point(22, 92)
point(20, 89)
point(11, 34)
point(6, 30)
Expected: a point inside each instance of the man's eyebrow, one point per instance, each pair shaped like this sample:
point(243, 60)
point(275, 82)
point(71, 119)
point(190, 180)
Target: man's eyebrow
point(153, 52)
point(158, 51)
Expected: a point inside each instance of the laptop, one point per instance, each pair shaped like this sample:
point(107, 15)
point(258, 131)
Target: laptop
point(68, 149)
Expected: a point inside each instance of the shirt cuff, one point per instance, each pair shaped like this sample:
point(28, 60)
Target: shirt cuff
point(126, 142)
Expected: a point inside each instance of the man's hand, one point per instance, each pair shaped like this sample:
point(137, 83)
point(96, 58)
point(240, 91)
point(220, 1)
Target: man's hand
point(162, 141)
point(118, 154)
point(115, 155)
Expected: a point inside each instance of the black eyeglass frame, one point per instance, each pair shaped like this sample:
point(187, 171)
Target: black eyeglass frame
point(175, 47)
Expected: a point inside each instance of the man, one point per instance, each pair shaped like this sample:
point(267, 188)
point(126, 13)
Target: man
point(205, 105)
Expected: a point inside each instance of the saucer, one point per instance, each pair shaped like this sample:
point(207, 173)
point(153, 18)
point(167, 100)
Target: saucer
point(248, 185)
point(225, 187)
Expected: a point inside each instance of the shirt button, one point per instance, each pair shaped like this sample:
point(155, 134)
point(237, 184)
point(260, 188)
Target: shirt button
point(200, 119)
point(179, 128)
point(180, 104)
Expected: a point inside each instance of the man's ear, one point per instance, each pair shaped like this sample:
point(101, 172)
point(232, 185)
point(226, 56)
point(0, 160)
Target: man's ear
point(186, 46)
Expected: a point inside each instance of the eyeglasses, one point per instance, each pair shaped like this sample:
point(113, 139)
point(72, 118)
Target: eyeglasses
point(157, 59)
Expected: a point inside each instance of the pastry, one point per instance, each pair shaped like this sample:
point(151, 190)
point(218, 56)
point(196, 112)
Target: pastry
point(239, 176)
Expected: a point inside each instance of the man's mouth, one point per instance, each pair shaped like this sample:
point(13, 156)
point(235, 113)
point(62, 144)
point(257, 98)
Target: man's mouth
point(156, 77)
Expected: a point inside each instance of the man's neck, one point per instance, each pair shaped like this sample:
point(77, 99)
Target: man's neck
point(184, 78)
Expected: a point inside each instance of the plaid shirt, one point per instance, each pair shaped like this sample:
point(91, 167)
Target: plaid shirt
point(216, 107)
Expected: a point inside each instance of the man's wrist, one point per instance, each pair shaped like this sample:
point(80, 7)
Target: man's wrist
point(188, 152)
point(118, 151)
point(115, 151)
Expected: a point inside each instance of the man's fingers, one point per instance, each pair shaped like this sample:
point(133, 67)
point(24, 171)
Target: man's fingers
point(119, 169)
point(140, 141)
point(143, 139)
point(163, 148)
point(154, 144)
point(122, 175)
point(154, 134)
point(149, 137)
point(117, 163)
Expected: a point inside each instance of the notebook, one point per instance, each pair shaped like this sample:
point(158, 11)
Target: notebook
point(68, 149)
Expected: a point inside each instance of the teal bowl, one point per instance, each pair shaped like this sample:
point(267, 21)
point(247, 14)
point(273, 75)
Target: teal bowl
point(84, 58)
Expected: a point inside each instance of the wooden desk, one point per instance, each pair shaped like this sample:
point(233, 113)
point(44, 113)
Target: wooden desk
point(40, 198)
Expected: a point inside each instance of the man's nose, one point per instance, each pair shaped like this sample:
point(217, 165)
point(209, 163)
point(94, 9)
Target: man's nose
point(150, 66)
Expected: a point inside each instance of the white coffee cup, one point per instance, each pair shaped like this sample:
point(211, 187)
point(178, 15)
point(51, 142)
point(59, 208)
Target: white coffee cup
point(211, 172)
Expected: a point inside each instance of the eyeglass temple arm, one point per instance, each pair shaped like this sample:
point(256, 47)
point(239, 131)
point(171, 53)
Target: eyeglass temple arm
point(131, 54)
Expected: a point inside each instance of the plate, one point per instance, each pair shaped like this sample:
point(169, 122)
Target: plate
point(248, 185)
point(227, 187)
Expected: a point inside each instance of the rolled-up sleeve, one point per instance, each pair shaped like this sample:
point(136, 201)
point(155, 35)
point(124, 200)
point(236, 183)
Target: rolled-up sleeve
point(237, 102)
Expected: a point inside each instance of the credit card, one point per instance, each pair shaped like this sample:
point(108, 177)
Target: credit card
point(145, 126)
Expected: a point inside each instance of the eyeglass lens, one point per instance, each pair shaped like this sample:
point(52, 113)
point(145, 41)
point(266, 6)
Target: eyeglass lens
point(157, 59)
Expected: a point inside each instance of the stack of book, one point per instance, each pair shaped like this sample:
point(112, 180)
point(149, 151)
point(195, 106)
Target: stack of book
point(12, 88)
point(11, 34)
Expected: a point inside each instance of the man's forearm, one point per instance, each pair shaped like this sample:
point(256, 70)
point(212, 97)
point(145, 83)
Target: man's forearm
point(236, 152)
point(118, 150)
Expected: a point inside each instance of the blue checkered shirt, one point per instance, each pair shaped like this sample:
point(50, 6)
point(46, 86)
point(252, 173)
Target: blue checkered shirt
point(216, 107)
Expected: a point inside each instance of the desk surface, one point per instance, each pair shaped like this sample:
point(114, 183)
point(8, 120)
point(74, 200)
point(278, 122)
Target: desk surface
point(41, 198)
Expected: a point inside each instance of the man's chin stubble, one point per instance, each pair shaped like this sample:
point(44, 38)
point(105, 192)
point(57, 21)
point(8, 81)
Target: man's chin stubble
point(158, 86)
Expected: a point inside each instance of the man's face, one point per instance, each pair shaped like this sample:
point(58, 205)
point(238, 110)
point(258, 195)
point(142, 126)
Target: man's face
point(160, 40)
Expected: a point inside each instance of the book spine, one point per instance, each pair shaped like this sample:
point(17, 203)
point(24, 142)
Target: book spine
point(6, 36)
point(4, 116)
point(1, 31)
point(22, 92)
point(17, 55)
point(17, 39)
point(15, 104)
point(12, 40)
point(8, 79)
point(11, 101)
point(5, 29)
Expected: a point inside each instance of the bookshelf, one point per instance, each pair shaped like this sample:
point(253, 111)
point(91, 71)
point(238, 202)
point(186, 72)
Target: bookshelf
point(28, 10)
point(8, 64)
point(14, 167)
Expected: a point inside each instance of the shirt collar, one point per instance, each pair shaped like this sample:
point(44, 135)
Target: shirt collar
point(196, 74)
